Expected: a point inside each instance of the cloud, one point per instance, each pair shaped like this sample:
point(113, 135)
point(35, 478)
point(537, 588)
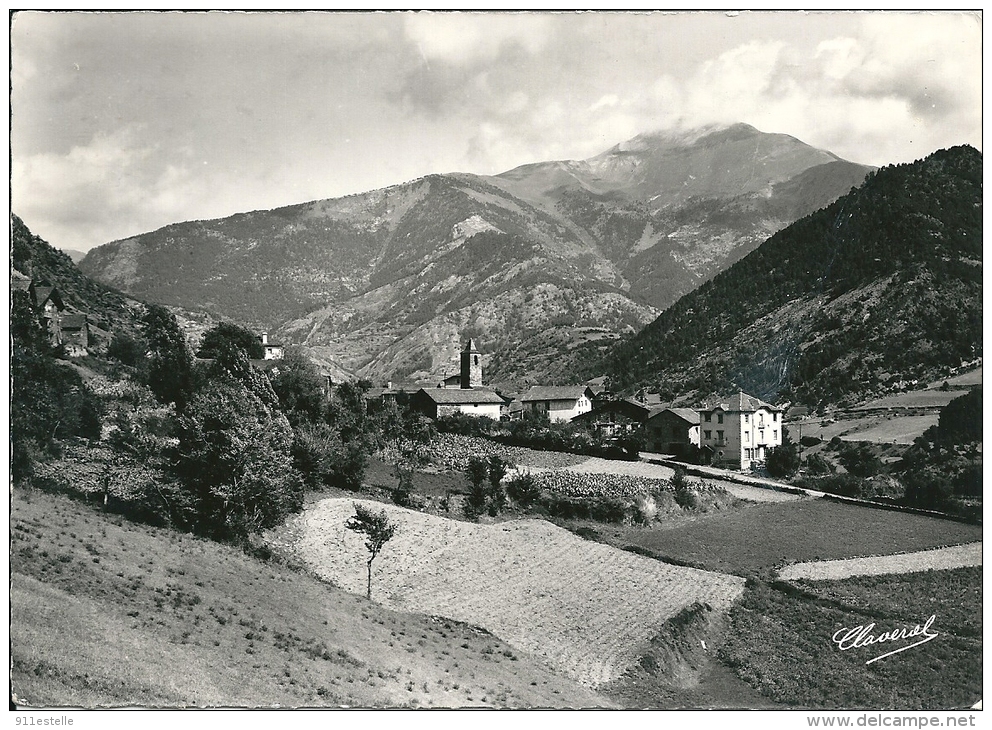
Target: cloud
point(472, 38)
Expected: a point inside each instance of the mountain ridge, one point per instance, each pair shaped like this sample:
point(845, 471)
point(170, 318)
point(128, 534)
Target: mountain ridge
point(393, 263)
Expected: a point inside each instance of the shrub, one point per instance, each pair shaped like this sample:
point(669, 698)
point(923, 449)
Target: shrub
point(477, 472)
point(523, 489)
point(818, 465)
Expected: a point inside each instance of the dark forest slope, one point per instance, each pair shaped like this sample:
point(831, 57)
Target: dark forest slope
point(883, 285)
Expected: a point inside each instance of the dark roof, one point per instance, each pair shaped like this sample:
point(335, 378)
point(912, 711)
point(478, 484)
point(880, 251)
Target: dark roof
point(454, 396)
point(44, 292)
point(741, 402)
point(688, 415)
point(555, 392)
point(74, 321)
point(19, 282)
point(626, 407)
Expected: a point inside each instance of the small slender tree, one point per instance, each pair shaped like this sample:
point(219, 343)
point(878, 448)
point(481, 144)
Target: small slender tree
point(378, 530)
point(477, 471)
point(497, 495)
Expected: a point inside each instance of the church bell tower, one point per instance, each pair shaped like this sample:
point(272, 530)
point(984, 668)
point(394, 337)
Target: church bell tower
point(471, 375)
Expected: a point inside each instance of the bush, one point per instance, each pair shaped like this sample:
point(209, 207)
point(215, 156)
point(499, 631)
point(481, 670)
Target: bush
point(783, 460)
point(477, 472)
point(816, 464)
point(860, 460)
point(523, 489)
point(464, 424)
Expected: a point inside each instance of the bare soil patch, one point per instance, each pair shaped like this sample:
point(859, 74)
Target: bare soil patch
point(586, 608)
point(956, 556)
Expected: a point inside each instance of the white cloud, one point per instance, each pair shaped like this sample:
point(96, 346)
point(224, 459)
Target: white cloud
point(469, 38)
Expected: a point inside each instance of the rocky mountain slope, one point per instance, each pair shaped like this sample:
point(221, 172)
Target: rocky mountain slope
point(882, 286)
point(541, 264)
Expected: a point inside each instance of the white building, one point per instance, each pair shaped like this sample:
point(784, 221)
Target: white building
point(560, 402)
point(740, 430)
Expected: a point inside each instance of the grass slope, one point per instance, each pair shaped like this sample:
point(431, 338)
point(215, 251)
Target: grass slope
point(105, 612)
point(780, 642)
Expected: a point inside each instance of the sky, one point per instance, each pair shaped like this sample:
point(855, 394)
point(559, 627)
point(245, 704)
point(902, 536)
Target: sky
point(122, 123)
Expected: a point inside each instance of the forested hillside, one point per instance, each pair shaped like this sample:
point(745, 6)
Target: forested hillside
point(883, 285)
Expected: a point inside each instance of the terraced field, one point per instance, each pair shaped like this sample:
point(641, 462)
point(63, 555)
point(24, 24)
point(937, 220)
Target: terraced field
point(585, 607)
point(956, 556)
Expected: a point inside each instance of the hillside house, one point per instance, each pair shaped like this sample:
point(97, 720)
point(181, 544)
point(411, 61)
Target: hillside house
point(740, 430)
point(613, 419)
point(672, 431)
point(436, 402)
point(559, 402)
point(270, 350)
point(75, 334)
point(45, 300)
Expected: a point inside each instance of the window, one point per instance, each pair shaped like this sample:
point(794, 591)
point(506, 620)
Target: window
point(708, 434)
point(719, 435)
point(719, 418)
point(708, 417)
point(775, 417)
point(775, 435)
point(747, 417)
point(747, 437)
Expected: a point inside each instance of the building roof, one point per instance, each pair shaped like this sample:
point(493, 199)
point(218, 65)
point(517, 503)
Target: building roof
point(74, 321)
point(456, 396)
point(686, 414)
point(44, 292)
point(555, 392)
point(18, 281)
point(741, 402)
point(470, 345)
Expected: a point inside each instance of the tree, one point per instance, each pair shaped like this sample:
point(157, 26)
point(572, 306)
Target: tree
point(301, 389)
point(783, 460)
point(497, 495)
point(475, 503)
point(227, 334)
point(405, 437)
point(234, 459)
point(378, 530)
point(170, 363)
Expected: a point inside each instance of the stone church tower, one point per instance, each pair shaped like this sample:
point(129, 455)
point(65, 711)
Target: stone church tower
point(471, 375)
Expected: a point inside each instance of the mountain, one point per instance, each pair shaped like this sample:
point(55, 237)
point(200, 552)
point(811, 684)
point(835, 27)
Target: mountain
point(883, 285)
point(73, 254)
point(545, 265)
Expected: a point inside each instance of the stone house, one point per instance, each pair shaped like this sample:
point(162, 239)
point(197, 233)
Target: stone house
point(672, 431)
point(613, 418)
point(271, 350)
point(559, 402)
point(75, 334)
point(436, 402)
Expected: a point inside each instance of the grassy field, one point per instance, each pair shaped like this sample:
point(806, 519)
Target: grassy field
point(763, 537)
point(895, 430)
point(105, 612)
point(780, 642)
point(916, 399)
point(584, 607)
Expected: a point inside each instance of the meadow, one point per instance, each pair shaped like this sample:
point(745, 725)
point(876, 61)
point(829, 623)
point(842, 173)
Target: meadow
point(763, 538)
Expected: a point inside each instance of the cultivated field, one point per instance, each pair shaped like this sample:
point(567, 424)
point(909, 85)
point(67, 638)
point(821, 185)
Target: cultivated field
point(771, 536)
point(586, 608)
point(897, 430)
point(957, 556)
point(916, 399)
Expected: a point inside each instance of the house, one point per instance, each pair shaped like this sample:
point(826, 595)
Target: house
point(75, 334)
point(45, 300)
point(436, 402)
point(559, 402)
point(270, 350)
point(740, 430)
point(672, 431)
point(613, 418)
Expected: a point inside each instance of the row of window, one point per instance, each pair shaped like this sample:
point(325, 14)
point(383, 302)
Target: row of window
point(708, 435)
point(708, 417)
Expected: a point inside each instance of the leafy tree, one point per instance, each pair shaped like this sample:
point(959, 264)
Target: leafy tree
point(378, 530)
point(783, 460)
point(405, 437)
point(170, 363)
point(860, 460)
point(324, 459)
point(960, 421)
point(227, 334)
point(128, 349)
point(301, 389)
point(817, 465)
point(497, 496)
point(477, 471)
point(685, 497)
point(234, 458)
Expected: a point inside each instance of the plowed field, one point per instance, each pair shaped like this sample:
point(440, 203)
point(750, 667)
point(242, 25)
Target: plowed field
point(586, 608)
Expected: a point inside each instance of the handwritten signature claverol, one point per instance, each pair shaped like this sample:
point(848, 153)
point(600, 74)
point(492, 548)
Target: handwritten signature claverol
point(861, 636)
